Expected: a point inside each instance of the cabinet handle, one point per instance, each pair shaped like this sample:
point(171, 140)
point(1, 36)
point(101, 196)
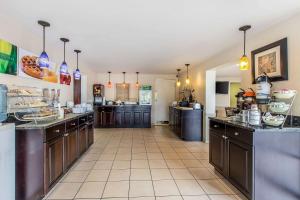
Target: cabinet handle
point(73, 124)
point(66, 135)
point(216, 126)
point(83, 120)
point(236, 133)
point(57, 131)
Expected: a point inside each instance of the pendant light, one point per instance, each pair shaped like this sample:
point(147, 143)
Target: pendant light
point(109, 84)
point(187, 80)
point(124, 84)
point(43, 60)
point(137, 84)
point(178, 83)
point(77, 74)
point(64, 67)
point(244, 61)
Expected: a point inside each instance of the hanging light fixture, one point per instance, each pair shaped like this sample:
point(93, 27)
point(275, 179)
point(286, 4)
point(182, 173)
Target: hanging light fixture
point(124, 83)
point(137, 84)
point(109, 84)
point(244, 61)
point(187, 80)
point(64, 67)
point(77, 74)
point(178, 83)
point(43, 60)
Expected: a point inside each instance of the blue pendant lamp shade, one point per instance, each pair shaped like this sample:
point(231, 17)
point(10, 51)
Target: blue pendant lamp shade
point(77, 74)
point(64, 67)
point(43, 60)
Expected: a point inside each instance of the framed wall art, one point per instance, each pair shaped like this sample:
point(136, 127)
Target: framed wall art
point(271, 59)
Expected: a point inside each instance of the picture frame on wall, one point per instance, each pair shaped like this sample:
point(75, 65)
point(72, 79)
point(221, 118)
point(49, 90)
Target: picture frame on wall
point(271, 59)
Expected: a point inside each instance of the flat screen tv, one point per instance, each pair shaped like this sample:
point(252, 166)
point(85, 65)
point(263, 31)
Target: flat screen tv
point(222, 87)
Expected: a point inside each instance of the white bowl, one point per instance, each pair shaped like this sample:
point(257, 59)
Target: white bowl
point(279, 107)
point(284, 94)
point(272, 121)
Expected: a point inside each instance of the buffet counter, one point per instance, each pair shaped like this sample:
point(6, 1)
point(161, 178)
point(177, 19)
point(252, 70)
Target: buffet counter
point(122, 116)
point(256, 159)
point(186, 122)
point(45, 152)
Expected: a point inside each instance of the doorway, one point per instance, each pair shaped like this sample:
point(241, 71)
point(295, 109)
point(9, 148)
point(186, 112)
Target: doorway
point(164, 95)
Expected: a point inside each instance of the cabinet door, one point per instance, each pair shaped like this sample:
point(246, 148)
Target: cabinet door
point(109, 119)
point(82, 139)
point(137, 118)
point(70, 148)
point(147, 119)
point(54, 157)
point(127, 119)
point(90, 134)
point(217, 151)
point(240, 165)
point(119, 116)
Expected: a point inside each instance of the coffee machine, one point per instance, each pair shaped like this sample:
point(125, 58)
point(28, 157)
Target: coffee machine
point(98, 92)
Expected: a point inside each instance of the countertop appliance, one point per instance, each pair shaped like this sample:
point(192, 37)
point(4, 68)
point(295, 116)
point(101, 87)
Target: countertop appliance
point(98, 93)
point(3, 102)
point(263, 89)
point(7, 161)
point(145, 95)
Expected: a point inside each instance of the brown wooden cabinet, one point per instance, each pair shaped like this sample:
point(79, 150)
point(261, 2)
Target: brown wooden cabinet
point(240, 165)
point(90, 134)
point(217, 151)
point(231, 153)
point(54, 159)
point(82, 139)
point(129, 116)
point(70, 148)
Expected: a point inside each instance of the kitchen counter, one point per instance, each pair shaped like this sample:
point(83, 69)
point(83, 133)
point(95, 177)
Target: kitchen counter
point(33, 125)
point(122, 116)
point(270, 129)
point(187, 123)
point(256, 159)
point(45, 152)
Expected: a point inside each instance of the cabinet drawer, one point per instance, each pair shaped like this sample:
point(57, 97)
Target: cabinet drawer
point(70, 125)
point(55, 131)
point(82, 120)
point(91, 117)
point(242, 135)
point(217, 127)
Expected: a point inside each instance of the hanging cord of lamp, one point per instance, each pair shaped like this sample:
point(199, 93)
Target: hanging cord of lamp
point(187, 80)
point(77, 74)
point(244, 61)
point(137, 80)
point(64, 66)
point(124, 83)
point(43, 60)
point(178, 83)
point(109, 84)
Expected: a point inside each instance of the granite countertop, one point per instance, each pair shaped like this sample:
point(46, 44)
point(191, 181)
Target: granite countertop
point(255, 128)
point(32, 125)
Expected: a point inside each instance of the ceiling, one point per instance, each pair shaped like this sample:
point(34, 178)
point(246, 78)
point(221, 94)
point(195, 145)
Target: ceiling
point(153, 36)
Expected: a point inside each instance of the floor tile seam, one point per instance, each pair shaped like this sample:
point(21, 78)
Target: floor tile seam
point(87, 177)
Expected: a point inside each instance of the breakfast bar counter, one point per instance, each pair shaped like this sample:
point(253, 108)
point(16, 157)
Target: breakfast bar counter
point(44, 152)
point(257, 159)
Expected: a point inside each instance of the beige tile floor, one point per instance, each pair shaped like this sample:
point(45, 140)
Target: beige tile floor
point(143, 164)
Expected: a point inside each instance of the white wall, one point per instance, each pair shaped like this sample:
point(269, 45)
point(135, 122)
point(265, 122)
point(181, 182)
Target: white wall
point(289, 29)
point(20, 35)
point(223, 100)
point(144, 79)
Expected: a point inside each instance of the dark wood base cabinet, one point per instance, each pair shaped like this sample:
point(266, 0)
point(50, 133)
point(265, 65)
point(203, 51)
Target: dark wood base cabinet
point(44, 154)
point(186, 124)
point(262, 163)
point(127, 116)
